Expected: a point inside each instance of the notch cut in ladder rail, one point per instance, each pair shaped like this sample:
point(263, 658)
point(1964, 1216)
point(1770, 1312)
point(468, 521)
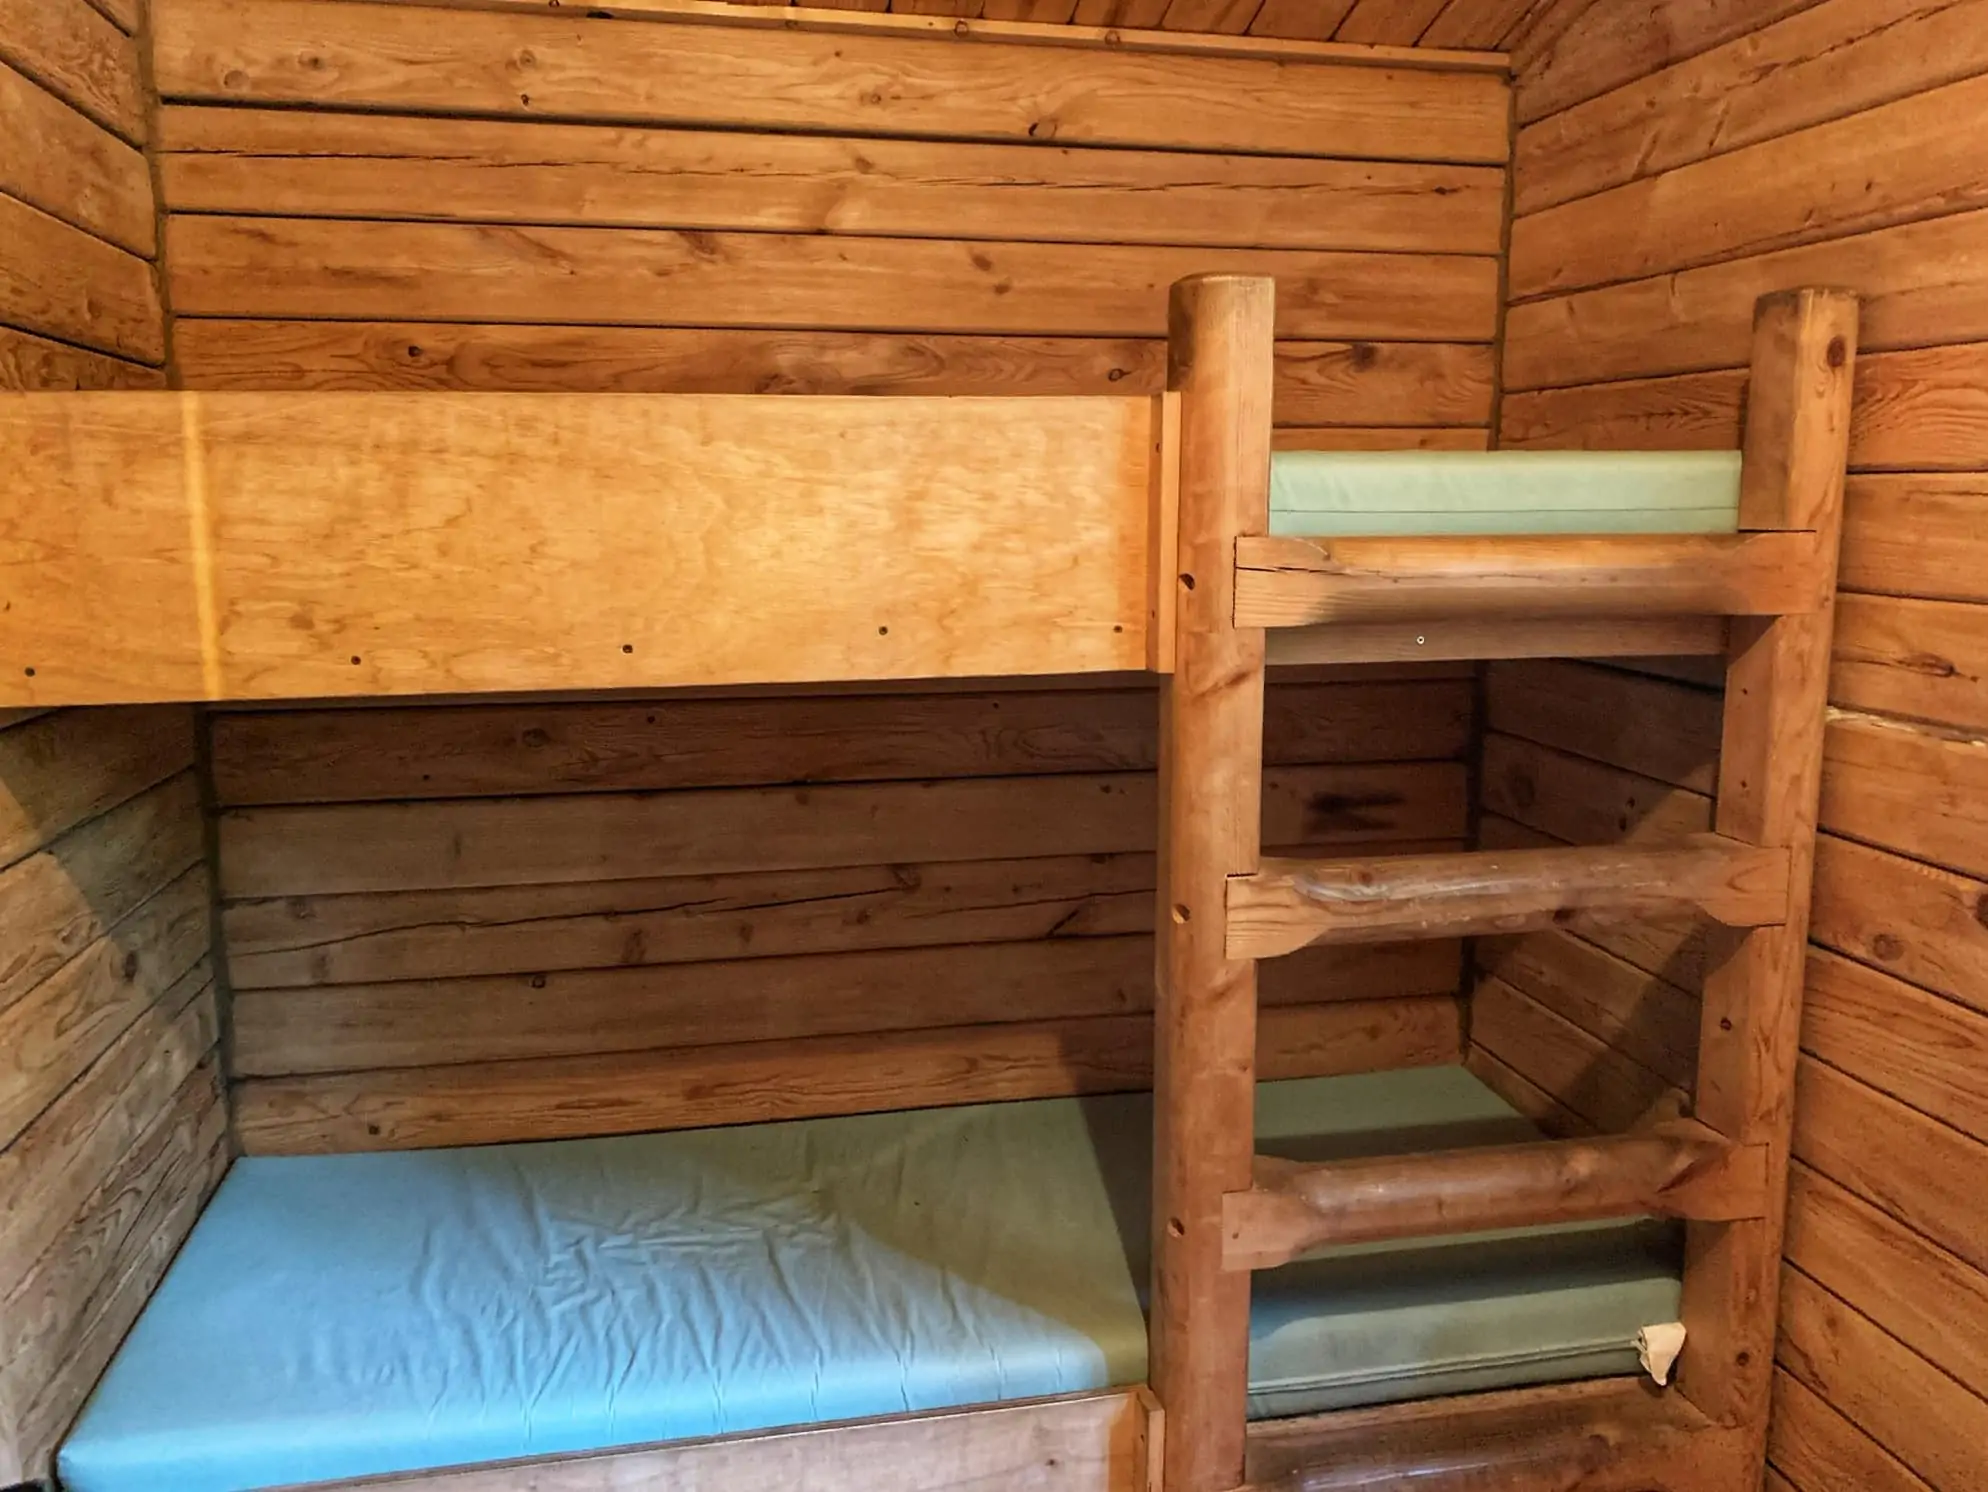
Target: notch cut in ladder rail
point(1298, 582)
point(1290, 904)
point(1678, 1169)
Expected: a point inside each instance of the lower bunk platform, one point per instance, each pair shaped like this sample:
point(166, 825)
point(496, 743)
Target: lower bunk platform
point(353, 1316)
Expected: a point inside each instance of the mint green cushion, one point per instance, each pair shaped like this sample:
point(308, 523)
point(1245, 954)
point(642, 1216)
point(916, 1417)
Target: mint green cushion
point(1347, 493)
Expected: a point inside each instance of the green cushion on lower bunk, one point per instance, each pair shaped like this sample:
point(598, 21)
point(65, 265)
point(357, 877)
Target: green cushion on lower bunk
point(333, 1316)
point(1348, 493)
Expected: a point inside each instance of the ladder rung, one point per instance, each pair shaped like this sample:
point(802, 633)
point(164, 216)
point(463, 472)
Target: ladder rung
point(1295, 582)
point(1289, 904)
point(1679, 1169)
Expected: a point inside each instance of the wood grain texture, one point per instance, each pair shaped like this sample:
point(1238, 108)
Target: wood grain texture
point(67, 767)
point(766, 1081)
point(565, 492)
point(61, 282)
point(358, 56)
point(61, 162)
point(385, 167)
point(1918, 922)
point(79, 56)
point(29, 363)
point(1821, 1451)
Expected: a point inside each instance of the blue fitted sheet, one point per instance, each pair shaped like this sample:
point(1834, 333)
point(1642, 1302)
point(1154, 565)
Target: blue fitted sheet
point(341, 1315)
point(1347, 493)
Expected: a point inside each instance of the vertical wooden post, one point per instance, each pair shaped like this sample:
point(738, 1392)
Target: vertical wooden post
point(1211, 773)
point(1777, 676)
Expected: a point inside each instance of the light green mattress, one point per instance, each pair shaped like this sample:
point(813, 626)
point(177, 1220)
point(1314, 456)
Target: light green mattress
point(1348, 493)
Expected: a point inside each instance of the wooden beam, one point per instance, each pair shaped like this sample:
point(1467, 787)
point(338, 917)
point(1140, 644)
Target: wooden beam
point(1679, 1169)
point(1211, 769)
point(1434, 639)
point(1294, 582)
point(1770, 772)
point(1291, 903)
point(238, 546)
point(1604, 1435)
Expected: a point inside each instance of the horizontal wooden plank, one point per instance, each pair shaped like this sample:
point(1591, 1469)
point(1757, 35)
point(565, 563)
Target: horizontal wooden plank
point(1646, 1016)
point(53, 1033)
point(1916, 921)
point(1089, 1443)
point(1923, 1050)
point(1357, 385)
point(60, 1160)
point(1826, 61)
point(290, 941)
point(532, 841)
point(1915, 790)
point(806, 539)
point(766, 1081)
point(67, 767)
point(293, 756)
point(61, 282)
point(1379, 438)
point(1295, 582)
point(1655, 727)
point(669, 1004)
point(349, 55)
point(78, 55)
point(1918, 283)
point(61, 162)
point(1542, 1108)
point(1606, 1088)
point(75, 1306)
point(1912, 1166)
point(347, 270)
point(1914, 1289)
point(1918, 535)
point(1584, 802)
point(1291, 903)
point(30, 363)
point(1897, 163)
point(1821, 1451)
point(1927, 659)
point(1514, 637)
point(276, 162)
point(1680, 1169)
point(59, 901)
point(1929, 1421)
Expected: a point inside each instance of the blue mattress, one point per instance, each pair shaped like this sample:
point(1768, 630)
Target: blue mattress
point(342, 1315)
point(1348, 493)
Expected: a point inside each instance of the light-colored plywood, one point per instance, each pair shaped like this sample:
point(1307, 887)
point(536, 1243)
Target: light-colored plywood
point(565, 541)
point(350, 270)
point(386, 167)
point(628, 1093)
point(364, 56)
point(1089, 1443)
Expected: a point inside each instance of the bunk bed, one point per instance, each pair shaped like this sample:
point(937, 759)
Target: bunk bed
point(1364, 1281)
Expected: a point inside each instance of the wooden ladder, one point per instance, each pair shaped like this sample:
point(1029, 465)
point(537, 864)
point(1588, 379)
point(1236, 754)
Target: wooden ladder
point(1220, 1211)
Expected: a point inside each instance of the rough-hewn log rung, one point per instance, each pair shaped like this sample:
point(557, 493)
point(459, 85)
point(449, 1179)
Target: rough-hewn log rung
point(1289, 904)
point(1295, 582)
point(1679, 1169)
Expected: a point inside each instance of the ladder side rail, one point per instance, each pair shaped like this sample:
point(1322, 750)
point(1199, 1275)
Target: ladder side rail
point(1220, 351)
point(1796, 450)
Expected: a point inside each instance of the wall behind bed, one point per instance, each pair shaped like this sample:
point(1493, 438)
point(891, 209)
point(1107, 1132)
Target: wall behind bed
point(112, 1131)
point(498, 921)
point(1673, 161)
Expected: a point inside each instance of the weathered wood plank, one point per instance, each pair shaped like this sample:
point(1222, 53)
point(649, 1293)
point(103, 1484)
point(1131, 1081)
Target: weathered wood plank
point(1607, 1089)
point(1649, 726)
point(531, 841)
point(29, 363)
point(69, 766)
point(346, 55)
point(1584, 802)
point(762, 1082)
point(59, 161)
point(349, 270)
point(428, 752)
point(1823, 1452)
point(1915, 790)
point(1919, 535)
point(1915, 921)
point(78, 55)
point(285, 163)
point(1926, 659)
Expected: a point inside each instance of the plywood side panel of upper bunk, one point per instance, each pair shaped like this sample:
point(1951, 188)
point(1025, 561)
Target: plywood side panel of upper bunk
point(1655, 192)
point(269, 546)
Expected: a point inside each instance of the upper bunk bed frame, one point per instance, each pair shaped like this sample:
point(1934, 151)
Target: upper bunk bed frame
point(272, 546)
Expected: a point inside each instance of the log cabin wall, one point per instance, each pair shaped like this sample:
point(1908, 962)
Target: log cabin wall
point(489, 921)
point(112, 1131)
point(1673, 161)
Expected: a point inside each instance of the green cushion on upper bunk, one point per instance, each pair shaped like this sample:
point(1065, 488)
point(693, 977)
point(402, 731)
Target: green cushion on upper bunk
point(1348, 493)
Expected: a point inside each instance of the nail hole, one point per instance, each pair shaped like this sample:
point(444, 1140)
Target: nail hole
point(1187, 581)
point(1118, 629)
point(883, 631)
point(1725, 1023)
point(628, 647)
point(1744, 1358)
point(1176, 1228)
point(1181, 913)
point(355, 660)
point(29, 672)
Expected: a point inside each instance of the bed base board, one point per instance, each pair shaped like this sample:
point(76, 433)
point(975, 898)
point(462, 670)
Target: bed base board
point(1099, 1442)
